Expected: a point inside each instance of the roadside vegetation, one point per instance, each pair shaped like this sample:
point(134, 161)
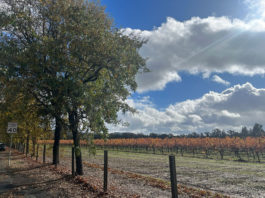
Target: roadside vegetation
point(64, 66)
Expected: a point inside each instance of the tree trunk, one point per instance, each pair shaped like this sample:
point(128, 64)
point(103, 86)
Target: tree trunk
point(27, 144)
point(74, 121)
point(56, 144)
point(33, 146)
point(24, 148)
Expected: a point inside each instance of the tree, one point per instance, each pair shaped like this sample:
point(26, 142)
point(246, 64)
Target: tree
point(20, 108)
point(257, 130)
point(31, 54)
point(72, 60)
point(244, 132)
point(101, 72)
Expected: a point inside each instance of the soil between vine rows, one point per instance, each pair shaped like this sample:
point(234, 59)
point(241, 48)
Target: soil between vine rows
point(235, 179)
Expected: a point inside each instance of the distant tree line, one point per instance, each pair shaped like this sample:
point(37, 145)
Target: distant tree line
point(256, 131)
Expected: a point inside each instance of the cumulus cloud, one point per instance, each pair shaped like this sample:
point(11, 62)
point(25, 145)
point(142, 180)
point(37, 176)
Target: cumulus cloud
point(201, 46)
point(218, 79)
point(240, 105)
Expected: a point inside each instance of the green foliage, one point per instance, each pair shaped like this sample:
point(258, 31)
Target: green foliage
point(69, 57)
point(20, 108)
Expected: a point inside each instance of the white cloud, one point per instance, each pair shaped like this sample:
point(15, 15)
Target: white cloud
point(201, 46)
point(240, 105)
point(3, 6)
point(218, 79)
point(256, 8)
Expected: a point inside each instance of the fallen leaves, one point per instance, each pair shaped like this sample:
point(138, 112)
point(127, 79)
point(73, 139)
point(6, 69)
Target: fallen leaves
point(158, 183)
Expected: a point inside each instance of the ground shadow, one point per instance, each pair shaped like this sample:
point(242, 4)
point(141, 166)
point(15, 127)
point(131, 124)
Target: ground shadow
point(14, 170)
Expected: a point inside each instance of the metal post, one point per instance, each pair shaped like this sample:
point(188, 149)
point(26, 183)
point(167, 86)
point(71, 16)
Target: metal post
point(10, 152)
point(105, 171)
point(44, 153)
point(73, 161)
point(173, 178)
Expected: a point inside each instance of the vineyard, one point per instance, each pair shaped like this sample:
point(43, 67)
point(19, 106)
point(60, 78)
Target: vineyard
point(242, 149)
point(147, 174)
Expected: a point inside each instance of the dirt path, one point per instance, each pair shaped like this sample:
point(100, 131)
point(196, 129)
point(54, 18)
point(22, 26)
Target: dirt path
point(24, 178)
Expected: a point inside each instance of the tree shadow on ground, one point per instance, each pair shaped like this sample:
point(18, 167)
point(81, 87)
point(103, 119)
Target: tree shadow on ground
point(31, 184)
point(18, 170)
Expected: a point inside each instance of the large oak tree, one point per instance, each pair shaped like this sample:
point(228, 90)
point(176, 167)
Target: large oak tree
point(72, 60)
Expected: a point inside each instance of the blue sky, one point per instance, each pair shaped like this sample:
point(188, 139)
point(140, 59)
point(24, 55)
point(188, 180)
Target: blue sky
point(194, 60)
point(147, 14)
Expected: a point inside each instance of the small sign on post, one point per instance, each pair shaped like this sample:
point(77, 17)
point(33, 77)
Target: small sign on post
point(11, 129)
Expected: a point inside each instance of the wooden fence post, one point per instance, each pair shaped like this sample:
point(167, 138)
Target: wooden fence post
point(44, 153)
point(105, 171)
point(73, 161)
point(173, 178)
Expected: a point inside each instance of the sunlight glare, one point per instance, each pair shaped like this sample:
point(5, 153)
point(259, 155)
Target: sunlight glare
point(257, 9)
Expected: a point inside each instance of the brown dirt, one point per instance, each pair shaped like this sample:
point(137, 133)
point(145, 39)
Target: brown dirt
point(234, 179)
point(138, 176)
point(27, 178)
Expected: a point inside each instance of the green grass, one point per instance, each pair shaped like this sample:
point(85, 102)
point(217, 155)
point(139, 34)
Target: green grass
point(201, 164)
point(186, 160)
point(228, 155)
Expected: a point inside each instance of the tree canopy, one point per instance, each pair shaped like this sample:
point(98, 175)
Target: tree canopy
point(70, 58)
